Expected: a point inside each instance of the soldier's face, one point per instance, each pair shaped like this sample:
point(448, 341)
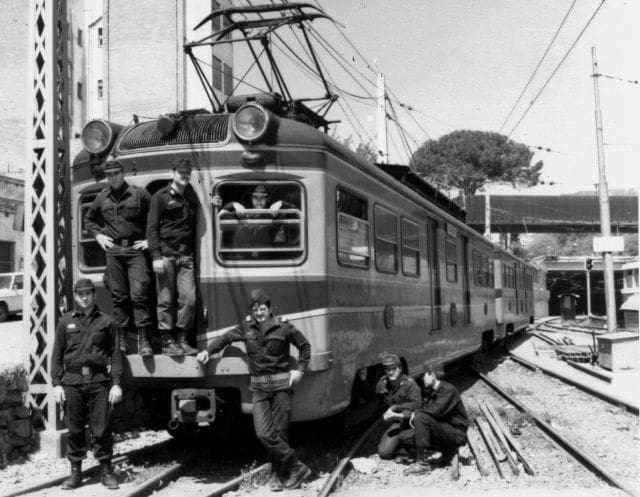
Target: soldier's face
point(429, 380)
point(259, 200)
point(392, 372)
point(181, 178)
point(84, 299)
point(115, 178)
point(260, 312)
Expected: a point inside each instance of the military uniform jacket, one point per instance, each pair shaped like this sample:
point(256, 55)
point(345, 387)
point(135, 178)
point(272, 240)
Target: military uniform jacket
point(445, 404)
point(402, 395)
point(267, 346)
point(171, 225)
point(122, 214)
point(85, 341)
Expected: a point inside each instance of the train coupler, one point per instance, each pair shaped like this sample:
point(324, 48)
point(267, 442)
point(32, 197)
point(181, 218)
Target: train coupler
point(193, 405)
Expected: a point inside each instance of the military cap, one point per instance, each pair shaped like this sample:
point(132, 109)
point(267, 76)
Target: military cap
point(259, 296)
point(84, 284)
point(113, 165)
point(183, 166)
point(261, 189)
point(391, 360)
point(433, 368)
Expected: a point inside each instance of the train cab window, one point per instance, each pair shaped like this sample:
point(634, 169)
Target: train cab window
point(353, 230)
point(386, 233)
point(260, 222)
point(410, 248)
point(90, 256)
point(451, 250)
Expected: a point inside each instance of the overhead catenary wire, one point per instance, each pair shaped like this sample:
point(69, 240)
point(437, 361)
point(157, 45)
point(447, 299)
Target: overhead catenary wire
point(535, 71)
point(535, 98)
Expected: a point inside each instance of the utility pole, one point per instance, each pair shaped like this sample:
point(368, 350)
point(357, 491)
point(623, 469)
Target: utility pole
point(381, 142)
point(47, 249)
point(605, 218)
point(487, 213)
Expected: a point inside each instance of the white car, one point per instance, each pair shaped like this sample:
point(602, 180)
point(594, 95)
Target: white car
point(11, 285)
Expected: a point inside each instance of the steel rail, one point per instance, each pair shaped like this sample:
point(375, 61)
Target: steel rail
point(612, 399)
point(342, 464)
point(580, 455)
point(89, 471)
point(237, 481)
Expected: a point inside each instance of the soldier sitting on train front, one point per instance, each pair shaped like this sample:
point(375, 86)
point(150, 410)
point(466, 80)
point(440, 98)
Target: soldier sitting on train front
point(401, 396)
point(440, 425)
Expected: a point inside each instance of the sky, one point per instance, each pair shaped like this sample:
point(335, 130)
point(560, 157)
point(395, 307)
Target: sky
point(461, 64)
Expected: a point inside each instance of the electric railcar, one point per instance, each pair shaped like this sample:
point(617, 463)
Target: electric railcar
point(363, 259)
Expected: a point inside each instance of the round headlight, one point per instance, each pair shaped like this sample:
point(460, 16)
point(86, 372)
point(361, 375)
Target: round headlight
point(98, 136)
point(251, 122)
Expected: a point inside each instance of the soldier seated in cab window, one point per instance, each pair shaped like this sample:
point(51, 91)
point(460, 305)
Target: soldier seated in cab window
point(258, 207)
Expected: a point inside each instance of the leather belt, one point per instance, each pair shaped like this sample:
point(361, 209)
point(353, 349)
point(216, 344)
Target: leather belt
point(271, 381)
point(124, 242)
point(85, 370)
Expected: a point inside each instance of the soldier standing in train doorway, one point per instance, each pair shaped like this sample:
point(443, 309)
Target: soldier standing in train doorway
point(171, 233)
point(84, 348)
point(117, 219)
point(267, 340)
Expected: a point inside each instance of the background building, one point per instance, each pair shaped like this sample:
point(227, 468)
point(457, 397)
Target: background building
point(11, 224)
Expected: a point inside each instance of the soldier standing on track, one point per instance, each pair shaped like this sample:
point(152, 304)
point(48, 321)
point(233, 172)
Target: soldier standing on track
point(401, 395)
point(117, 219)
point(171, 231)
point(267, 340)
point(441, 421)
point(85, 346)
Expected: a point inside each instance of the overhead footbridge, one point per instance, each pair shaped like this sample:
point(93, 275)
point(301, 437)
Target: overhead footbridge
point(551, 213)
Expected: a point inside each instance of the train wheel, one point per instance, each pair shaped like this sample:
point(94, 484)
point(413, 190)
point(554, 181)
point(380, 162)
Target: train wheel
point(487, 340)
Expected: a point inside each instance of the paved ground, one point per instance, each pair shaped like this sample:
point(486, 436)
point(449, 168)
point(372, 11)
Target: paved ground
point(11, 335)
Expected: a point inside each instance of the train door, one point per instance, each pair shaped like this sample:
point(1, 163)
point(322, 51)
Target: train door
point(466, 294)
point(434, 265)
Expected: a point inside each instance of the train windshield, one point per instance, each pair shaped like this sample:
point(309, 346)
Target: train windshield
point(260, 221)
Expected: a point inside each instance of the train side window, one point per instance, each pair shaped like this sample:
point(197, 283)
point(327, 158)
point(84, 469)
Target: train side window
point(478, 275)
point(452, 259)
point(353, 230)
point(90, 256)
point(259, 222)
point(488, 271)
point(410, 248)
point(386, 234)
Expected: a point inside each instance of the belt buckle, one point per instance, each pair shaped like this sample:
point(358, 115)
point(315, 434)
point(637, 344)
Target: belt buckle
point(86, 370)
point(269, 379)
point(124, 243)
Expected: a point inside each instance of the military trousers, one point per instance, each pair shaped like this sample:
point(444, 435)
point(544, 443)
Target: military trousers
point(88, 403)
point(176, 293)
point(271, 419)
point(430, 433)
point(129, 277)
point(392, 438)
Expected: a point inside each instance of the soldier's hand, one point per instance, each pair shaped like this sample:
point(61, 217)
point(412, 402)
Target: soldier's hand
point(389, 415)
point(203, 357)
point(294, 377)
point(276, 206)
point(239, 209)
point(105, 242)
point(140, 245)
point(115, 394)
point(216, 201)
point(158, 266)
point(58, 394)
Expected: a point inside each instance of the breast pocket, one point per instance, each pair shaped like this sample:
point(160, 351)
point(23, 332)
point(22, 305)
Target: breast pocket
point(73, 338)
point(277, 346)
point(173, 212)
point(109, 212)
point(100, 339)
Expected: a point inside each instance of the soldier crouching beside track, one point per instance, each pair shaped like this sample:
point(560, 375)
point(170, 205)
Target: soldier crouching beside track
point(400, 394)
point(441, 423)
point(267, 340)
point(85, 345)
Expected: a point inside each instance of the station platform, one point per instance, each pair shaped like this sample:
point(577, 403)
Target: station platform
point(618, 385)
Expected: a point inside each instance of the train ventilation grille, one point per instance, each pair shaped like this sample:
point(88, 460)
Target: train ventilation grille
point(198, 129)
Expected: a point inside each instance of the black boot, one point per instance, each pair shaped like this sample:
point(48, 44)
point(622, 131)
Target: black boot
point(299, 472)
point(144, 346)
point(121, 335)
point(107, 477)
point(169, 346)
point(421, 466)
point(75, 479)
point(181, 341)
